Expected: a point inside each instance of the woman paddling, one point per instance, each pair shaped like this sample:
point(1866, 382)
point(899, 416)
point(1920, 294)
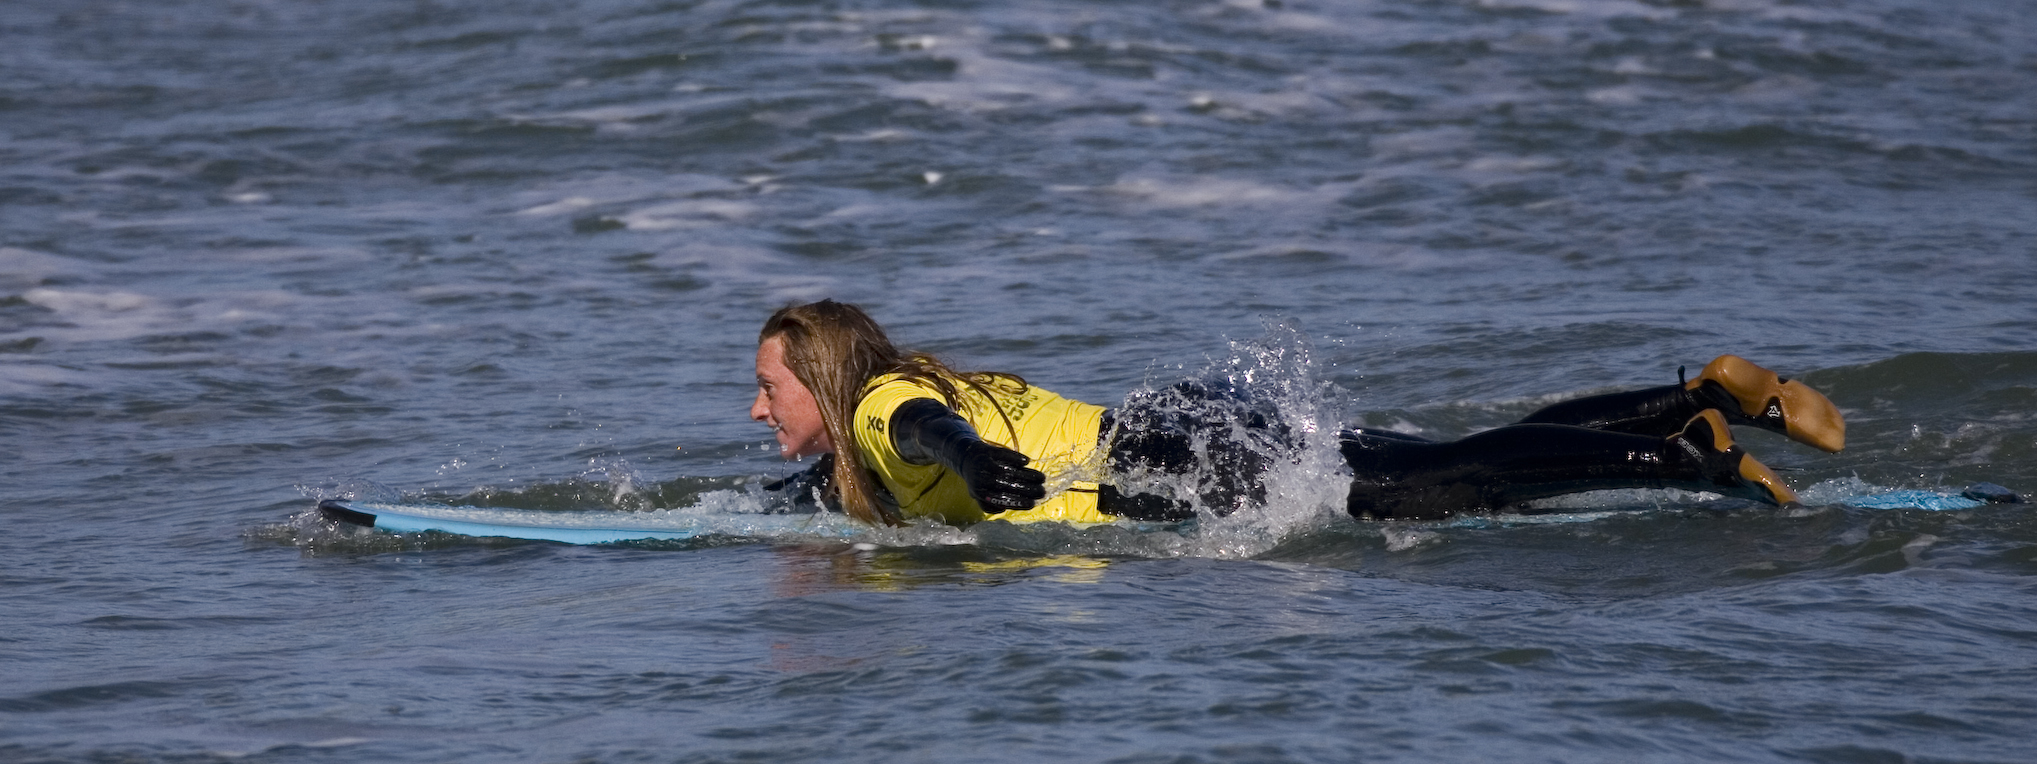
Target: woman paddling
point(904, 436)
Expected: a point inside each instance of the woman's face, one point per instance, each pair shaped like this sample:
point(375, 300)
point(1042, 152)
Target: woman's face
point(787, 406)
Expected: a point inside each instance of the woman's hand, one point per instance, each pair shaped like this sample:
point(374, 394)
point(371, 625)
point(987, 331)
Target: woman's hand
point(998, 477)
point(926, 432)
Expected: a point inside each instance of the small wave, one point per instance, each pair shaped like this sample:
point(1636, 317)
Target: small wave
point(85, 696)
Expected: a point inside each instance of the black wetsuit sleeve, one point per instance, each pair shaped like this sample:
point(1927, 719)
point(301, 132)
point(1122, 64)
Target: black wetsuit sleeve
point(926, 432)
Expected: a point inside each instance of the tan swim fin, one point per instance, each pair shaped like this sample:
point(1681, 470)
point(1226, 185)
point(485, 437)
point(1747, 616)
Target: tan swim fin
point(1730, 468)
point(1756, 396)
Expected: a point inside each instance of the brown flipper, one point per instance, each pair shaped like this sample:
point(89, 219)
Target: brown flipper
point(1761, 398)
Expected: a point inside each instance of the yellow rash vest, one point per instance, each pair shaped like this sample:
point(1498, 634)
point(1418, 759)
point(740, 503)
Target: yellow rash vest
point(1058, 434)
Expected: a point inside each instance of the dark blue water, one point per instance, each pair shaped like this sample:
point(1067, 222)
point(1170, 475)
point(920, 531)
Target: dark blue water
point(253, 254)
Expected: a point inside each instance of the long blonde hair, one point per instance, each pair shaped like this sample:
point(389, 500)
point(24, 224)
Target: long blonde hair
point(835, 349)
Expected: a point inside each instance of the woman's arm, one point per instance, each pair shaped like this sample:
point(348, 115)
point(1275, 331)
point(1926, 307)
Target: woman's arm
point(926, 432)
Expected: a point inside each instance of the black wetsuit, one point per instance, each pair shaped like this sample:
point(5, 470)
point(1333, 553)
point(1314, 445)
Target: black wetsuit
point(1226, 444)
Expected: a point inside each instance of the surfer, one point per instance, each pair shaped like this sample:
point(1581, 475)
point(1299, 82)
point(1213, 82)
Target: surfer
point(901, 435)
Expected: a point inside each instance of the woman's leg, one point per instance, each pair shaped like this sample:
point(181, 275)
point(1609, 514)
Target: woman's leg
point(1747, 394)
point(1396, 476)
point(1652, 411)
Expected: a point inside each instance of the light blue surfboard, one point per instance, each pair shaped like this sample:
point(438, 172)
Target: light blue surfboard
point(607, 527)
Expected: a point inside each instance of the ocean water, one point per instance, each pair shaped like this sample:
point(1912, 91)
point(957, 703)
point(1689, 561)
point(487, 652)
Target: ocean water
point(256, 253)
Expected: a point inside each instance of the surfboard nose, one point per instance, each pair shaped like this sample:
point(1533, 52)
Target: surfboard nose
point(337, 510)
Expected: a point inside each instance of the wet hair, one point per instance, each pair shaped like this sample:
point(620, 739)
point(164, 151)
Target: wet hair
point(835, 350)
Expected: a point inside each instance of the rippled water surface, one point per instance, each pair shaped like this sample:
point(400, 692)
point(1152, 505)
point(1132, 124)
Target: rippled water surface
point(254, 254)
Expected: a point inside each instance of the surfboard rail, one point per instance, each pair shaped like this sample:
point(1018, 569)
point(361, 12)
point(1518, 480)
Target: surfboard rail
point(589, 527)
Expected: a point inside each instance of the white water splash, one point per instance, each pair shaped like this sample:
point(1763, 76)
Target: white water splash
point(1273, 403)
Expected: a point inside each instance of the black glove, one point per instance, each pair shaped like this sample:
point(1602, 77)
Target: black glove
point(926, 432)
